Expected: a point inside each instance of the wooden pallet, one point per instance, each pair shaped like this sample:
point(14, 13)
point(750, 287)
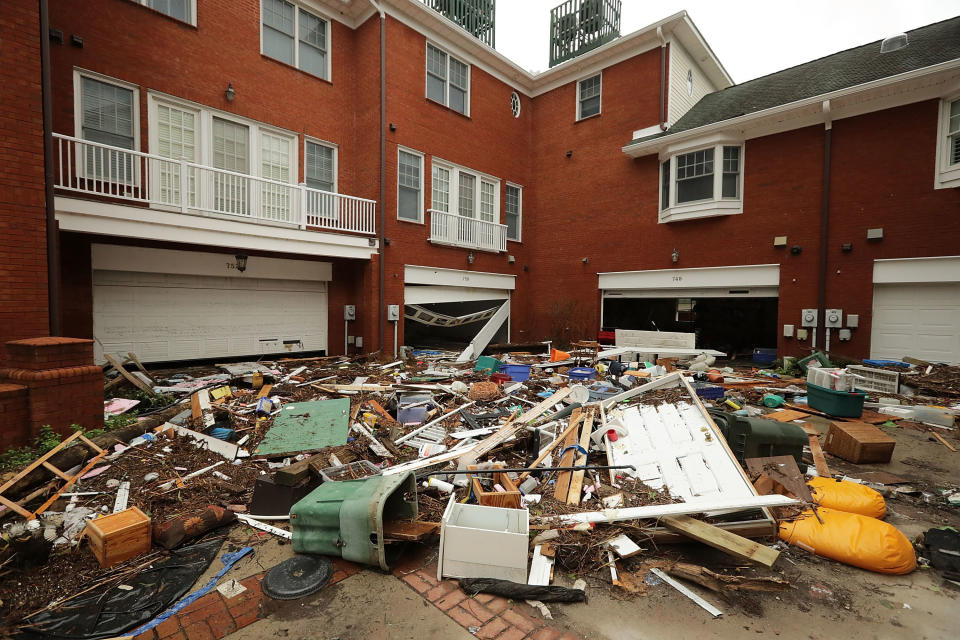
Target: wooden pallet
point(44, 461)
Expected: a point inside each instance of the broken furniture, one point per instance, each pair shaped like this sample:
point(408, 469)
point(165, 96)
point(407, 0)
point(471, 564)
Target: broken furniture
point(858, 442)
point(349, 518)
point(509, 498)
point(483, 542)
point(119, 536)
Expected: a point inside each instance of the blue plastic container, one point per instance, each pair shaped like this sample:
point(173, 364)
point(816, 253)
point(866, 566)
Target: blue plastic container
point(581, 374)
point(764, 356)
point(517, 372)
point(708, 391)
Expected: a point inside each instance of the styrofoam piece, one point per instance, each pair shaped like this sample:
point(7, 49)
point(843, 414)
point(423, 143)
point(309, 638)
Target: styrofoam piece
point(483, 542)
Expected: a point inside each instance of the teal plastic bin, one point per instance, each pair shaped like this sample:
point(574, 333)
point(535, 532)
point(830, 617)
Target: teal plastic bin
point(487, 364)
point(346, 518)
point(759, 437)
point(842, 404)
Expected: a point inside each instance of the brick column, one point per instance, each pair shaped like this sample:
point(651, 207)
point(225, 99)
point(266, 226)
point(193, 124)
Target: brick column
point(14, 415)
point(63, 385)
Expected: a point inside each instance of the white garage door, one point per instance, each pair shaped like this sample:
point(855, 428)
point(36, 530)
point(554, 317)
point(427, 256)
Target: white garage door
point(181, 317)
point(917, 320)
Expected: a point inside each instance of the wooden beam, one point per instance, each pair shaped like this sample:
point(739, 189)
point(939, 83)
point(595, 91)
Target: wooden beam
point(819, 460)
point(551, 447)
point(725, 541)
point(132, 379)
point(945, 443)
point(133, 358)
point(576, 480)
point(562, 486)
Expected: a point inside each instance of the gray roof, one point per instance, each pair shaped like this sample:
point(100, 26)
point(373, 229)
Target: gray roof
point(929, 45)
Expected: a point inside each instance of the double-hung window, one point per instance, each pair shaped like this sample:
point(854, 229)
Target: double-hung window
point(176, 138)
point(275, 165)
point(465, 208)
point(701, 183)
point(948, 145)
point(588, 97)
point(295, 36)
point(409, 186)
point(231, 152)
point(107, 114)
point(513, 211)
point(319, 173)
point(448, 80)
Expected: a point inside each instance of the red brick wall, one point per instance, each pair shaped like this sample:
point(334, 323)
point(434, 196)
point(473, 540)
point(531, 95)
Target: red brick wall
point(14, 416)
point(23, 247)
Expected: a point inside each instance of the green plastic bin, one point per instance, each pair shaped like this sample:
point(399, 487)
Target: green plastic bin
point(346, 518)
point(842, 404)
point(760, 438)
point(485, 363)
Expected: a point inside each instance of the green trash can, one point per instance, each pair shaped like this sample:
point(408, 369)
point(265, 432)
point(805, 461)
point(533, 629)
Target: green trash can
point(760, 438)
point(346, 518)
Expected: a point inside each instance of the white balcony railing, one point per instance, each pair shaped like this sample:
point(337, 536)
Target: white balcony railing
point(472, 233)
point(102, 170)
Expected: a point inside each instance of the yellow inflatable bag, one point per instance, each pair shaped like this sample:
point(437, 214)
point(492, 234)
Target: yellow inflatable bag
point(847, 496)
point(853, 539)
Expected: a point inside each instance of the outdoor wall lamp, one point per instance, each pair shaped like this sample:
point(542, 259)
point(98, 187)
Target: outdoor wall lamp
point(470, 258)
point(230, 93)
point(241, 262)
point(675, 256)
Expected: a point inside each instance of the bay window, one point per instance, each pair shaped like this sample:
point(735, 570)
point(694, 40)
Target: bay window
point(948, 144)
point(701, 182)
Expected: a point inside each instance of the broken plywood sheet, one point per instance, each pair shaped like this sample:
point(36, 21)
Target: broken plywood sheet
point(303, 427)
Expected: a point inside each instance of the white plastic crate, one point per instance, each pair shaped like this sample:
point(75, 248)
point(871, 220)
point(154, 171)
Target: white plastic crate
point(878, 380)
point(834, 379)
point(483, 542)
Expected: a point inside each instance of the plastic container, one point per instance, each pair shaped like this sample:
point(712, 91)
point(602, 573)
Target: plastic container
point(581, 374)
point(346, 518)
point(759, 438)
point(843, 404)
point(500, 378)
point(411, 415)
point(819, 356)
point(487, 363)
point(602, 391)
point(517, 372)
point(879, 380)
point(708, 391)
point(828, 378)
point(763, 355)
point(352, 471)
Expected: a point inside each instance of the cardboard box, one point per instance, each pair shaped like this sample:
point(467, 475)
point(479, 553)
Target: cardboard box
point(119, 536)
point(858, 442)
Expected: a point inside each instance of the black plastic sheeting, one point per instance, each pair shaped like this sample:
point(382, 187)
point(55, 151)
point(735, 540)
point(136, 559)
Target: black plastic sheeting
point(517, 591)
point(109, 611)
point(942, 546)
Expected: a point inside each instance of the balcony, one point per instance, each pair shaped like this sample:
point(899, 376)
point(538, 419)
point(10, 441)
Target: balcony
point(476, 16)
point(469, 233)
point(100, 170)
point(579, 26)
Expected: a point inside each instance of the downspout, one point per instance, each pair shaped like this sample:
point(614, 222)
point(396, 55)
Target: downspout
point(663, 78)
point(824, 223)
point(381, 214)
point(53, 236)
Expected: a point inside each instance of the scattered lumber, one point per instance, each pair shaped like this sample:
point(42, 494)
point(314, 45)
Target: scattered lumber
point(576, 480)
point(132, 379)
point(730, 543)
point(720, 583)
point(819, 460)
point(562, 486)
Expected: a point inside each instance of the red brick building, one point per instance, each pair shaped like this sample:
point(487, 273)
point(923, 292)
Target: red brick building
point(230, 176)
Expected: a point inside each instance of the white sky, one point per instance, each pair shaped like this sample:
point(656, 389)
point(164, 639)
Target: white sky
point(750, 37)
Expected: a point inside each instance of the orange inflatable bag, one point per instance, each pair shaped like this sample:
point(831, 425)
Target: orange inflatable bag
point(853, 539)
point(847, 496)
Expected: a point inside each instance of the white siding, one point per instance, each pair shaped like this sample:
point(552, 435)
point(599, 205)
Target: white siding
point(679, 101)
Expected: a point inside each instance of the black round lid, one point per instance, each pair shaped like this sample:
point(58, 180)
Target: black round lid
point(297, 577)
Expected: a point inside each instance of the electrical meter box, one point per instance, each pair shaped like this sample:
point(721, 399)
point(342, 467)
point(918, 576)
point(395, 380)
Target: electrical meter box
point(808, 318)
point(393, 312)
point(833, 318)
point(349, 312)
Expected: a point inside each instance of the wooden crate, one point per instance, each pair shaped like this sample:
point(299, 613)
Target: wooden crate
point(509, 499)
point(119, 536)
point(858, 442)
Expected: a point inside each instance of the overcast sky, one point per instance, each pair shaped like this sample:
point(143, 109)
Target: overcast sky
point(750, 37)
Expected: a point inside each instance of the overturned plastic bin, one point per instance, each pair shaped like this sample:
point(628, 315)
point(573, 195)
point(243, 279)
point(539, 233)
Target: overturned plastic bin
point(346, 518)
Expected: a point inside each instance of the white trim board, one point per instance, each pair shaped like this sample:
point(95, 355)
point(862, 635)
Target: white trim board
point(905, 270)
point(733, 277)
point(704, 292)
point(438, 276)
point(115, 257)
point(87, 216)
point(429, 294)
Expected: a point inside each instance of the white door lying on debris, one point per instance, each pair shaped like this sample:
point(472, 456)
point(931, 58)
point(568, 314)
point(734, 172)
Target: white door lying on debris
point(181, 317)
point(920, 320)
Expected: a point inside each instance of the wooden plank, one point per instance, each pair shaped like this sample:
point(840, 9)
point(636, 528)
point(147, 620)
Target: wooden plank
point(389, 419)
point(201, 409)
point(823, 469)
point(722, 583)
point(541, 567)
point(293, 474)
point(39, 461)
point(408, 530)
point(576, 480)
point(509, 428)
point(624, 546)
point(52, 469)
point(872, 417)
point(133, 358)
point(132, 379)
point(785, 415)
point(535, 412)
point(562, 486)
point(725, 541)
point(945, 443)
point(265, 391)
point(15, 507)
point(543, 454)
point(784, 471)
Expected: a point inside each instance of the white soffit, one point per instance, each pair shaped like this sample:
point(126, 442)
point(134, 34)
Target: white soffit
point(736, 277)
point(933, 269)
point(111, 257)
point(428, 294)
point(414, 274)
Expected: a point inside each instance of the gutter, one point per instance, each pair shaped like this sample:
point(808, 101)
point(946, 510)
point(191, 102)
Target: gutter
point(824, 222)
point(381, 213)
point(53, 234)
point(636, 149)
point(663, 78)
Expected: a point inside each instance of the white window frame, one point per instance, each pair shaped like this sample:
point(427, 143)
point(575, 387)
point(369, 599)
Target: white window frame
point(519, 188)
point(423, 185)
point(80, 163)
point(317, 12)
point(717, 205)
point(600, 108)
point(336, 160)
point(192, 19)
point(947, 176)
point(446, 83)
point(454, 195)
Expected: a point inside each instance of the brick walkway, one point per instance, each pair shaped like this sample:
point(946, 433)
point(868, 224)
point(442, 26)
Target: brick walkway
point(487, 617)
